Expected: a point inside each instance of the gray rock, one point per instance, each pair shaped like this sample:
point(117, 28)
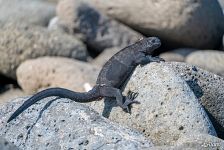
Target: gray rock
point(5, 145)
point(20, 42)
point(184, 51)
point(171, 56)
point(210, 60)
point(168, 108)
point(10, 94)
point(52, 1)
point(196, 142)
point(178, 55)
point(103, 57)
point(201, 142)
point(98, 31)
point(221, 3)
point(64, 124)
point(208, 88)
point(29, 11)
point(44, 72)
point(190, 23)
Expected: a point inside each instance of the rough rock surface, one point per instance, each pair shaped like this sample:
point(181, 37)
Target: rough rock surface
point(29, 11)
point(20, 42)
point(45, 72)
point(5, 145)
point(210, 60)
point(189, 23)
point(208, 88)
point(168, 108)
point(103, 57)
point(64, 124)
point(203, 141)
point(196, 142)
point(98, 30)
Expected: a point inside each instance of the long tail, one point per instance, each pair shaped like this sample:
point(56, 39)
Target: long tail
point(61, 92)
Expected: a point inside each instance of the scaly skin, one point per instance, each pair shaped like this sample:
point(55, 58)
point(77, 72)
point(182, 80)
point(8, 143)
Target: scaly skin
point(110, 79)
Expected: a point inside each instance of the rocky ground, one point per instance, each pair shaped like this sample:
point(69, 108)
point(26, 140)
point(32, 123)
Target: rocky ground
point(64, 43)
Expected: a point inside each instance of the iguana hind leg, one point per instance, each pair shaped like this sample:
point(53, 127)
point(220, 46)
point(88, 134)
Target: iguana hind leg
point(107, 91)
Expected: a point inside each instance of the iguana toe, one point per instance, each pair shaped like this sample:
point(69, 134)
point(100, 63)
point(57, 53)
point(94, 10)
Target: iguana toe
point(129, 100)
point(127, 104)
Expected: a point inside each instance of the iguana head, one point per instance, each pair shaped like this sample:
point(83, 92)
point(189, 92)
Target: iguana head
point(149, 44)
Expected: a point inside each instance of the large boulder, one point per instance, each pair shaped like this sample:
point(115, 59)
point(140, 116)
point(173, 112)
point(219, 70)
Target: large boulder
point(64, 124)
point(97, 30)
point(168, 108)
point(190, 23)
point(208, 88)
point(44, 72)
point(20, 42)
point(29, 11)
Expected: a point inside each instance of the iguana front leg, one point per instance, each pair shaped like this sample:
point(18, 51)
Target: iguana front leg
point(143, 59)
point(155, 59)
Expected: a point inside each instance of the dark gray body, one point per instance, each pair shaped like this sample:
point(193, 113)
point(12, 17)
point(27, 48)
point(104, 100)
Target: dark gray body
point(111, 77)
point(116, 68)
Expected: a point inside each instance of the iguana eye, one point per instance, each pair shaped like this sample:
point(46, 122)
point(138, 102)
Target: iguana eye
point(153, 41)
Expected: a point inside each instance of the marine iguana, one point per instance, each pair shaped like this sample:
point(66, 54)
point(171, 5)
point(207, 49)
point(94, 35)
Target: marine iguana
point(110, 79)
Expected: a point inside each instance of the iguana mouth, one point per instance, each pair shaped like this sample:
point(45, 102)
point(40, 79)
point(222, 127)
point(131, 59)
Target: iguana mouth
point(156, 43)
point(152, 44)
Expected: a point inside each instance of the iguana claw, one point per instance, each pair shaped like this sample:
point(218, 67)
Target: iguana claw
point(130, 100)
